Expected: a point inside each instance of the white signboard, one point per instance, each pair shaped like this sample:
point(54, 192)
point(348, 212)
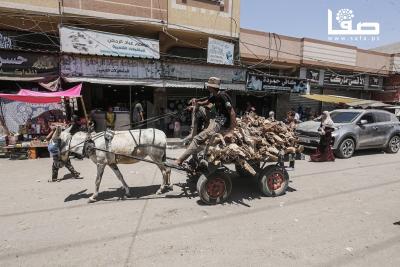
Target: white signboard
point(95, 67)
point(83, 41)
point(220, 52)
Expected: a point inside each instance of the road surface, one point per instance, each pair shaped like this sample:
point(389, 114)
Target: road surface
point(341, 213)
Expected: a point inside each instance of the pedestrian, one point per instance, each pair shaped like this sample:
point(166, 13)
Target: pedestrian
point(271, 115)
point(225, 119)
point(324, 151)
point(110, 118)
point(300, 113)
point(296, 115)
point(177, 128)
point(250, 108)
point(137, 115)
point(54, 148)
point(290, 120)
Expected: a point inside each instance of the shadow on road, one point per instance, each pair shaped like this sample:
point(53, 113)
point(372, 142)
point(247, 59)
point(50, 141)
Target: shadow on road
point(397, 223)
point(118, 193)
point(244, 189)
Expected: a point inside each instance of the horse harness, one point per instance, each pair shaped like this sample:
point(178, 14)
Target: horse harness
point(89, 146)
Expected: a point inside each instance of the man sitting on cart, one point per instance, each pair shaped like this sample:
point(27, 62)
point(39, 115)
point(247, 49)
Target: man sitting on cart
point(225, 120)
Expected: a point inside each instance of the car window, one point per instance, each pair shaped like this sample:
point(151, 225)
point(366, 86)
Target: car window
point(344, 117)
point(369, 117)
point(382, 117)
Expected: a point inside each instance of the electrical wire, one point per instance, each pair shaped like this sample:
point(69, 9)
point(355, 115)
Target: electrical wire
point(278, 50)
point(315, 59)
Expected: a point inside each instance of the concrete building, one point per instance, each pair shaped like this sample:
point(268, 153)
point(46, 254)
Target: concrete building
point(331, 68)
point(180, 28)
point(269, 71)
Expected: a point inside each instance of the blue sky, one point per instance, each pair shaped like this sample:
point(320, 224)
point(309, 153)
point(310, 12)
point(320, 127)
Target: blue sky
point(308, 18)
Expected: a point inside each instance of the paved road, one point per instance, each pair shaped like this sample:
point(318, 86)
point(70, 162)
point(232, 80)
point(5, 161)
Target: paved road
point(336, 214)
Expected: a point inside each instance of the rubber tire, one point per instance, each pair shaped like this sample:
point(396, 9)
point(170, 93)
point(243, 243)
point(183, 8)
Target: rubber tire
point(202, 188)
point(263, 181)
point(389, 149)
point(243, 173)
point(339, 152)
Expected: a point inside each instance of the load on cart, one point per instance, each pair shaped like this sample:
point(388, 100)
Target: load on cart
point(249, 143)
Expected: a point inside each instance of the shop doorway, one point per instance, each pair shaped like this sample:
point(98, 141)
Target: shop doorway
point(263, 104)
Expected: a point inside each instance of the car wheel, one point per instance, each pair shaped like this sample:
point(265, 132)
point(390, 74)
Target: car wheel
point(393, 145)
point(346, 149)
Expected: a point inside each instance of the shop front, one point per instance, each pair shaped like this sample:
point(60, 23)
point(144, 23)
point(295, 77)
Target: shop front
point(391, 92)
point(329, 82)
point(354, 85)
point(161, 87)
point(272, 93)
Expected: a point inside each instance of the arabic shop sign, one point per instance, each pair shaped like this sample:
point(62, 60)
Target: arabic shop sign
point(109, 67)
point(345, 80)
point(84, 41)
point(5, 41)
point(220, 52)
point(345, 30)
point(27, 64)
point(256, 82)
point(128, 68)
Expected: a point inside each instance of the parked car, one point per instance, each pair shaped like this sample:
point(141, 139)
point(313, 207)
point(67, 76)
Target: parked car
point(355, 129)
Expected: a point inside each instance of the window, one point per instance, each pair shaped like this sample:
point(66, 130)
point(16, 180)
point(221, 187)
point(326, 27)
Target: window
point(382, 117)
point(344, 117)
point(369, 117)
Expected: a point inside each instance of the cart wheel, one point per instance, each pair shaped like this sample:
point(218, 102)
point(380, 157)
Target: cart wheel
point(215, 188)
point(243, 173)
point(273, 181)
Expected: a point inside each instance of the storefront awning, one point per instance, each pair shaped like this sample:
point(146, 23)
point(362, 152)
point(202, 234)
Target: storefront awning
point(27, 79)
point(352, 102)
point(29, 96)
point(331, 98)
point(368, 104)
point(153, 83)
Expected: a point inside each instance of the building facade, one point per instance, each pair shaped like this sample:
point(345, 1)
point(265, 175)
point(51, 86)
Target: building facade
point(117, 74)
point(160, 52)
point(327, 68)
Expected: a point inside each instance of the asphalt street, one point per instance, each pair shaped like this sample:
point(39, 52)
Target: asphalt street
point(343, 213)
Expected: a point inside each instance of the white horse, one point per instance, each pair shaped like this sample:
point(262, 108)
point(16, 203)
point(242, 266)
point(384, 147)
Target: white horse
point(138, 143)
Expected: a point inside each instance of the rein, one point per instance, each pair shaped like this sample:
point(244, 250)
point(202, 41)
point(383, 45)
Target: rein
point(153, 119)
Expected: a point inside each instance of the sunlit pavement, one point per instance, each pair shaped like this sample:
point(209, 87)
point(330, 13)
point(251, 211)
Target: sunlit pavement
point(336, 213)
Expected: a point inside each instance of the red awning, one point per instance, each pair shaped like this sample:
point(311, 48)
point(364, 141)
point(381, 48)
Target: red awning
point(29, 96)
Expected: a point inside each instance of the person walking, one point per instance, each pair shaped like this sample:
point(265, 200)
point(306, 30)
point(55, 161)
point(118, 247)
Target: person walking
point(54, 148)
point(324, 151)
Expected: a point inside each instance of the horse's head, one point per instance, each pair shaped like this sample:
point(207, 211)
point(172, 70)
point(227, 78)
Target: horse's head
point(69, 143)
